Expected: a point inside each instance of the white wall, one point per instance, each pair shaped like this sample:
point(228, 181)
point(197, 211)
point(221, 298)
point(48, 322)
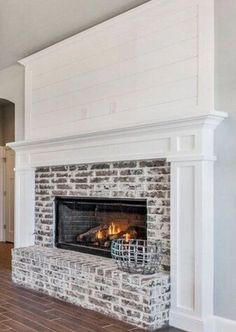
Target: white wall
point(225, 170)
point(12, 89)
point(149, 64)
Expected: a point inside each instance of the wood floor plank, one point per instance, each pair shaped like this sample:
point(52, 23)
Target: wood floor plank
point(27, 322)
point(16, 326)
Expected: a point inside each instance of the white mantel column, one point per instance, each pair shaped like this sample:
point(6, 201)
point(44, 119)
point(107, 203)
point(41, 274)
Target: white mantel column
point(192, 244)
point(24, 201)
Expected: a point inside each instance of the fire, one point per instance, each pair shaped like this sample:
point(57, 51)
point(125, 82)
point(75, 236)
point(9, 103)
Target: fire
point(99, 235)
point(112, 230)
point(127, 237)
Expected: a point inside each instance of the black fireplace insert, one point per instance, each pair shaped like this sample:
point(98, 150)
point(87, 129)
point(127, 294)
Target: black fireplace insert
point(90, 224)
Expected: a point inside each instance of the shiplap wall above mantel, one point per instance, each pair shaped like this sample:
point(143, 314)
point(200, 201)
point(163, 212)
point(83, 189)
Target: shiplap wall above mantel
point(150, 64)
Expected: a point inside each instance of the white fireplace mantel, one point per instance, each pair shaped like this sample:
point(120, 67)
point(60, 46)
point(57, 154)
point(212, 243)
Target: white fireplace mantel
point(188, 144)
point(188, 138)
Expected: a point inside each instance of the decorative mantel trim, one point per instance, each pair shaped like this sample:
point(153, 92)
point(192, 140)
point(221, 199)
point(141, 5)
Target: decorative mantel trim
point(184, 139)
point(188, 143)
point(211, 120)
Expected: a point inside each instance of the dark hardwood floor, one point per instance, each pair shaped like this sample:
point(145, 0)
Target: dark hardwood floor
point(23, 310)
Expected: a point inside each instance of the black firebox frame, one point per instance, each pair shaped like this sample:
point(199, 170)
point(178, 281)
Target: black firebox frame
point(142, 203)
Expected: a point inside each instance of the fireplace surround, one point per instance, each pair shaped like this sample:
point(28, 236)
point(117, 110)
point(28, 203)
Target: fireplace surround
point(188, 146)
point(138, 192)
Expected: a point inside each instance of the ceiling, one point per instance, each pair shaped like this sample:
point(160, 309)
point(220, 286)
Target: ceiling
point(28, 26)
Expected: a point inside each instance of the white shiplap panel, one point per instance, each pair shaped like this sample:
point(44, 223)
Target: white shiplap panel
point(127, 27)
point(133, 65)
point(182, 51)
point(121, 119)
point(122, 53)
point(118, 87)
point(108, 93)
point(137, 101)
point(120, 62)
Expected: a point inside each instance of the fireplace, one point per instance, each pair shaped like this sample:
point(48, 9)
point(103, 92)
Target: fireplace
point(90, 224)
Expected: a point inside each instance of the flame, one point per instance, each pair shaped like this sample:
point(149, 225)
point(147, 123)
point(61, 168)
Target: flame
point(99, 235)
point(127, 237)
point(112, 230)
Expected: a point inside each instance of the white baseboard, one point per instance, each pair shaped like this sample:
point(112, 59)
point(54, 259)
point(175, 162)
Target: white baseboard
point(191, 323)
point(186, 322)
point(224, 325)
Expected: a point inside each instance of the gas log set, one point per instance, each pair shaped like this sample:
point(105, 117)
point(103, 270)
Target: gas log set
point(90, 224)
point(103, 235)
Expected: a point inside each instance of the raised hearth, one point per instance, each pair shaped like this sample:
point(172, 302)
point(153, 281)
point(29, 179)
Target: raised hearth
point(94, 283)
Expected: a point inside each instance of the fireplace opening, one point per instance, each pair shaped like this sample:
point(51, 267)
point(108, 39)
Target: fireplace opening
point(90, 224)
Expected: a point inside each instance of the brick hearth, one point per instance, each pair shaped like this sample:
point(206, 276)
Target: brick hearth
point(94, 283)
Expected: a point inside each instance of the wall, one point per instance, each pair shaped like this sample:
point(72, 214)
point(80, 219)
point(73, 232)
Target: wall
point(7, 124)
point(12, 89)
point(149, 64)
point(225, 167)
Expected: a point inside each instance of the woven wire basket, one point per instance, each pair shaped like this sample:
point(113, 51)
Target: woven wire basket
point(136, 256)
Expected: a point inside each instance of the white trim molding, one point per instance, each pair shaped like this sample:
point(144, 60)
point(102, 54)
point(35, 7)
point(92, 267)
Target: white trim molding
point(188, 144)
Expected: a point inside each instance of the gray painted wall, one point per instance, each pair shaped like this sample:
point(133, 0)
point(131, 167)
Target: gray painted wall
point(225, 167)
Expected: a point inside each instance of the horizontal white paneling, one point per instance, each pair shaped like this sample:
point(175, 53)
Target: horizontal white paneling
point(139, 67)
point(122, 52)
point(114, 90)
point(135, 103)
point(149, 19)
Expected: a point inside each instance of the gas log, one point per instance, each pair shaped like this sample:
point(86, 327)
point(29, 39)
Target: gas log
point(100, 235)
point(91, 234)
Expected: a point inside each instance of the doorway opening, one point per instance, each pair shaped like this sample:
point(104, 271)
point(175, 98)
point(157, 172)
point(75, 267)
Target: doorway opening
point(7, 164)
